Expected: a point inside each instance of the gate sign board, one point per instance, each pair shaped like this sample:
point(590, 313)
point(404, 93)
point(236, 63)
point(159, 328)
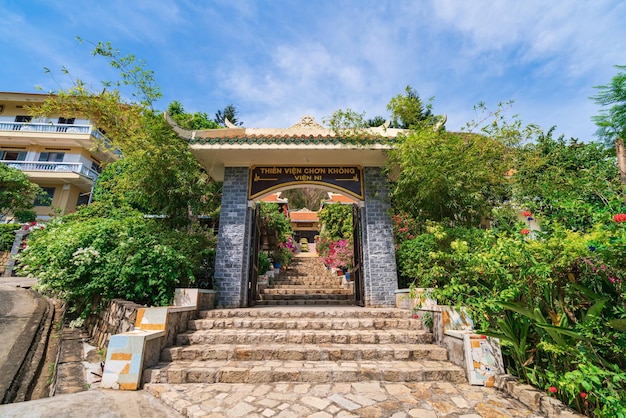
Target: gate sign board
point(264, 179)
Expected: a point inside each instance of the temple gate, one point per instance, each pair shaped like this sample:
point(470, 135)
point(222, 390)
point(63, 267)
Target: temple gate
point(253, 162)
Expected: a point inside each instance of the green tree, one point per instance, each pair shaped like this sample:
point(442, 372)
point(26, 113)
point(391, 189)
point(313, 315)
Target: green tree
point(376, 121)
point(230, 113)
point(445, 175)
point(336, 221)
point(569, 182)
point(17, 192)
point(192, 121)
point(158, 173)
point(305, 197)
point(408, 110)
point(612, 121)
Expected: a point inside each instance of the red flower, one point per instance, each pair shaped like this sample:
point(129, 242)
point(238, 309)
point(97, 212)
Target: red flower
point(583, 395)
point(525, 231)
point(415, 316)
point(552, 389)
point(620, 217)
point(526, 214)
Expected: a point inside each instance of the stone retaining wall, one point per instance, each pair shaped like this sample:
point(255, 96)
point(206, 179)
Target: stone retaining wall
point(119, 316)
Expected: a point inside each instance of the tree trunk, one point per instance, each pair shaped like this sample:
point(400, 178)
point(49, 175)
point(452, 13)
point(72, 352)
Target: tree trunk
point(620, 151)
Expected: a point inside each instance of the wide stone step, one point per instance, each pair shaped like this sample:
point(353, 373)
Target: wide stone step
point(306, 323)
point(309, 286)
point(306, 291)
point(302, 371)
point(308, 352)
point(277, 336)
point(306, 281)
point(307, 312)
point(300, 296)
point(307, 302)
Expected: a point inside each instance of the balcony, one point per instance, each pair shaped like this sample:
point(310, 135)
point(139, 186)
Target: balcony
point(54, 134)
point(50, 167)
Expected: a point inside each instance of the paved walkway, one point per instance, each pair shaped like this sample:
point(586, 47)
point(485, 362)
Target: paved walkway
point(360, 399)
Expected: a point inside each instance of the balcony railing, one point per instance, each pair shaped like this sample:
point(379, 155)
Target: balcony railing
point(78, 168)
point(51, 127)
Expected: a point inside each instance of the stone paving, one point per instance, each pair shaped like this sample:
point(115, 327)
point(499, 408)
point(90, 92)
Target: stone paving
point(357, 399)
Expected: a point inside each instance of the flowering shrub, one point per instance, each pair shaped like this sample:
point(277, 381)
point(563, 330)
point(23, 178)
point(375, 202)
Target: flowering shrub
point(340, 255)
point(557, 302)
point(88, 261)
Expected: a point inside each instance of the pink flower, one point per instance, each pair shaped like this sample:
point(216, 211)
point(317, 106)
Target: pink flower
point(525, 231)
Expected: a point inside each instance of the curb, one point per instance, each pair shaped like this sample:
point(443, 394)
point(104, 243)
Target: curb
point(22, 365)
point(536, 400)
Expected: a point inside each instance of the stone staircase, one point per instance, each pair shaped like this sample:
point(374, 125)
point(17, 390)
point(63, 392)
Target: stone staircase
point(304, 344)
point(306, 282)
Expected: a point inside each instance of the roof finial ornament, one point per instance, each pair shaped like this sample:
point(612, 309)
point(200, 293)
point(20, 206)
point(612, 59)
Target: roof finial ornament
point(307, 122)
point(229, 124)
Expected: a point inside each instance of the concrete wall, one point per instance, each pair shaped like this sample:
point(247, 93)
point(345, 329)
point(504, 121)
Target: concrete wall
point(379, 259)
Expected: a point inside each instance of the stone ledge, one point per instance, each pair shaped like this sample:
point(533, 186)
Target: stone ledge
point(535, 399)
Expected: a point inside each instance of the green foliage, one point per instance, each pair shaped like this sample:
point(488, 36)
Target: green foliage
point(347, 122)
point(408, 111)
point(264, 263)
point(7, 236)
point(569, 182)
point(158, 174)
point(612, 121)
point(18, 193)
point(86, 259)
point(230, 113)
point(304, 197)
point(336, 221)
point(446, 175)
point(192, 121)
point(275, 220)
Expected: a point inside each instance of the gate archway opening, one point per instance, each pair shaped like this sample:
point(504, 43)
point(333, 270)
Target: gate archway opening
point(343, 233)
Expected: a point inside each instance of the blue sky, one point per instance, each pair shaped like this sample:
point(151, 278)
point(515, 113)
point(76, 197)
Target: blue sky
point(277, 60)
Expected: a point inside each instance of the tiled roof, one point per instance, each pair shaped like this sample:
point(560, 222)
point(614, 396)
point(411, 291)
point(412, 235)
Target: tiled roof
point(339, 198)
point(289, 139)
point(303, 216)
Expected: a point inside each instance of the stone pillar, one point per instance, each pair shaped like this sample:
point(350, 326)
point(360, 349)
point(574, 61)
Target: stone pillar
point(379, 259)
point(231, 258)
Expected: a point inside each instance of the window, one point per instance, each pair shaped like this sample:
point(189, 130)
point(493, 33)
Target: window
point(65, 121)
point(46, 198)
point(13, 155)
point(21, 119)
point(56, 157)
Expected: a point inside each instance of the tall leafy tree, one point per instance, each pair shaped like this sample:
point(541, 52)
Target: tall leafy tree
point(17, 192)
point(449, 176)
point(158, 174)
point(571, 182)
point(408, 110)
point(612, 120)
point(192, 121)
point(230, 113)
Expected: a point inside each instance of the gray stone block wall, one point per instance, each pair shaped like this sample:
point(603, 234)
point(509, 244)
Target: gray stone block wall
point(379, 258)
point(231, 269)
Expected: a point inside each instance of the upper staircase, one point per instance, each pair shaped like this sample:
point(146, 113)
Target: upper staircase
point(306, 282)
